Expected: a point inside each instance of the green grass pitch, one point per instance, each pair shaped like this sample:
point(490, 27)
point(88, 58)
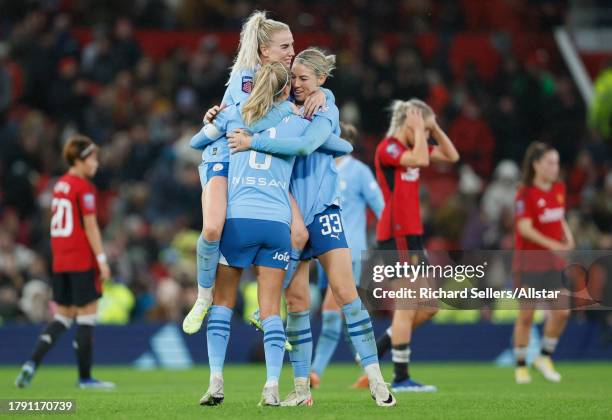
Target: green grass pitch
point(465, 391)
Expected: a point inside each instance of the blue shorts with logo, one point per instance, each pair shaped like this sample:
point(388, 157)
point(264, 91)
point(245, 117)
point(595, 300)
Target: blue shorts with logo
point(326, 232)
point(247, 242)
point(210, 169)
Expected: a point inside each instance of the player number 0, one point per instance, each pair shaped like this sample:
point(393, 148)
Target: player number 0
point(265, 165)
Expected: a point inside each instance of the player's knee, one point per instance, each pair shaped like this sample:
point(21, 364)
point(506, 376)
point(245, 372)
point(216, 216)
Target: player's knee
point(344, 296)
point(212, 232)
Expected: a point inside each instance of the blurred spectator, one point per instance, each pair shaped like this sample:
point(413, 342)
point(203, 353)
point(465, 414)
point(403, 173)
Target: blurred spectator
point(168, 306)
point(126, 51)
point(116, 304)
point(6, 92)
point(473, 138)
point(34, 301)
point(499, 194)
point(602, 208)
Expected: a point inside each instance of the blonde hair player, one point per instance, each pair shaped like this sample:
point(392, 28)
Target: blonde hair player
point(262, 40)
point(256, 231)
point(358, 190)
point(398, 160)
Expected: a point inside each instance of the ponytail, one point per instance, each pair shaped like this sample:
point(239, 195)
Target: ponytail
point(268, 86)
point(256, 32)
point(398, 115)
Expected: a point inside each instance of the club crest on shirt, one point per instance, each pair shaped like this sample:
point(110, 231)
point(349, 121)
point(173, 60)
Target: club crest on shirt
point(217, 167)
point(247, 84)
point(393, 150)
point(541, 202)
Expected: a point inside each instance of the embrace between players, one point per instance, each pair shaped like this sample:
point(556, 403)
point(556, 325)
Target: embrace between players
point(282, 209)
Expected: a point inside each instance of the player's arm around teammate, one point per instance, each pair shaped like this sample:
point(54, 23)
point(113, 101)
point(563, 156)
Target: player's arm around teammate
point(315, 180)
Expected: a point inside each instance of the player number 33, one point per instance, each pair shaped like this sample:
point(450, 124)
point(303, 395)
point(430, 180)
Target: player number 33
point(330, 223)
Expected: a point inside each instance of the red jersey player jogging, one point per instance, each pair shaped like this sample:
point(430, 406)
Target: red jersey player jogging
point(78, 262)
point(540, 226)
point(399, 158)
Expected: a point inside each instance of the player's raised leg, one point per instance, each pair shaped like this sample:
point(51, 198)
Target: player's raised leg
point(214, 207)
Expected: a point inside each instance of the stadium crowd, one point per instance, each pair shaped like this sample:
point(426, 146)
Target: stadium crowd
point(142, 112)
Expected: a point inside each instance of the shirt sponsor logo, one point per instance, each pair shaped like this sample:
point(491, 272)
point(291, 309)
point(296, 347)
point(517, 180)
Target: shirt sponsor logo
point(281, 257)
point(552, 215)
point(260, 182)
point(410, 174)
point(520, 207)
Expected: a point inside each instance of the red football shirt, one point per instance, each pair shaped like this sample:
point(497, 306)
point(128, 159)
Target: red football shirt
point(546, 209)
point(400, 187)
point(73, 198)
